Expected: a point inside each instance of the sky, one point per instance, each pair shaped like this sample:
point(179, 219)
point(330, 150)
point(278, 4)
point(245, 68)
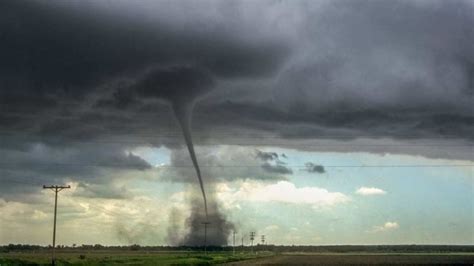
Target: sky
point(312, 122)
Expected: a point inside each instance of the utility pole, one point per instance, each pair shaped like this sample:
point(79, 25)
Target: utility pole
point(205, 236)
point(263, 239)
point(56, 189)
point(233, 244)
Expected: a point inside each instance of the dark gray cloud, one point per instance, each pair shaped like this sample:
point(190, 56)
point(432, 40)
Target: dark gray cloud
point(79, 77)
point(66, 48)
point(276, 169)
point(52, 161)
point(272, 163)
point(387, 69)
point(314, 168)
point(94, 167)
point(267, 156)
point(174, 83)
point(220, 164)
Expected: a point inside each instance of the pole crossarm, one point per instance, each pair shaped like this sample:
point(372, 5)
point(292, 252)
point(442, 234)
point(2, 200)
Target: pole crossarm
point(59, 188)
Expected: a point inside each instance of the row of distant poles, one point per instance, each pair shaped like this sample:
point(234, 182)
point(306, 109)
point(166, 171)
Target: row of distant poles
point(252, 238)
point(57, 189)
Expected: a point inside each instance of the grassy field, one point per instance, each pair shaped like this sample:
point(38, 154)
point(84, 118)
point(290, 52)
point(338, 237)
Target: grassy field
point(226, 258)
point(124, 258)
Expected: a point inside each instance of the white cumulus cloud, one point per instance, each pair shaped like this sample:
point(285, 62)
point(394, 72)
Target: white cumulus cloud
point(388, 226)
point(369, 191)
point(282, 191)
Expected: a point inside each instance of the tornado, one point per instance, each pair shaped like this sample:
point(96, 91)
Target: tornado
point(181, 86)
point(183, 115)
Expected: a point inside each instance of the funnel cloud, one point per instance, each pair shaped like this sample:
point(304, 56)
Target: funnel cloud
point(181, 86)
point(183, 114)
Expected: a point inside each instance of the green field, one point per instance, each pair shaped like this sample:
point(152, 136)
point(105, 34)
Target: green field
point(125, 258)
point(225, 257)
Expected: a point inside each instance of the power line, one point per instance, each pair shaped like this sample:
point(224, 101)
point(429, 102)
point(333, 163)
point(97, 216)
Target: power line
point(238, 166)
point(14, 180)
point(34, 181)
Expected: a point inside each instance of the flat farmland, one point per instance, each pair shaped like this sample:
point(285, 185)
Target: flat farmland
point(94, 258)
point(363, 259)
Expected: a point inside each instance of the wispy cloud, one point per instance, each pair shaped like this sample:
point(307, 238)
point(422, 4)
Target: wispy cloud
point(370, 191)
point(272, 227)
point(388, 226)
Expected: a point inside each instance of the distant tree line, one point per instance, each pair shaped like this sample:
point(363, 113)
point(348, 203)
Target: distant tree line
point(368, 248)
point(257, 248)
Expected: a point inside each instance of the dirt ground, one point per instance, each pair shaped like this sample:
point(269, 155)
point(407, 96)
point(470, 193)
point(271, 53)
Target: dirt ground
point(362, 259)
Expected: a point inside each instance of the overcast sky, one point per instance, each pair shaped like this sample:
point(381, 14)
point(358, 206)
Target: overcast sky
point(315, 122)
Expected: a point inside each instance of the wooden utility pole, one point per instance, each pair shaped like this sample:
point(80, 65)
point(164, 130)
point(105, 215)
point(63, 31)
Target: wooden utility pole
point(205, 236)
point(56, 189)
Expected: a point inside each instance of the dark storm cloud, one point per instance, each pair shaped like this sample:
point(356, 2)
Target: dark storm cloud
point(390, 68)
point(276, 169)
point(385, 69)
point(74, 75)
point(344, 121)
point(175, 83)
point(314, 168)
point(23, 172)
point(82, 71)
point(272, 163)
point(51, 161)
point(65, 48)
point(267, 156)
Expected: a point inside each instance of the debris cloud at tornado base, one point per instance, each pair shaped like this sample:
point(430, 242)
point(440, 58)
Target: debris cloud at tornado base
point(187, 230)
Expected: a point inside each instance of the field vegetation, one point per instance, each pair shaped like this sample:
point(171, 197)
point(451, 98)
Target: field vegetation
point(265, 254)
